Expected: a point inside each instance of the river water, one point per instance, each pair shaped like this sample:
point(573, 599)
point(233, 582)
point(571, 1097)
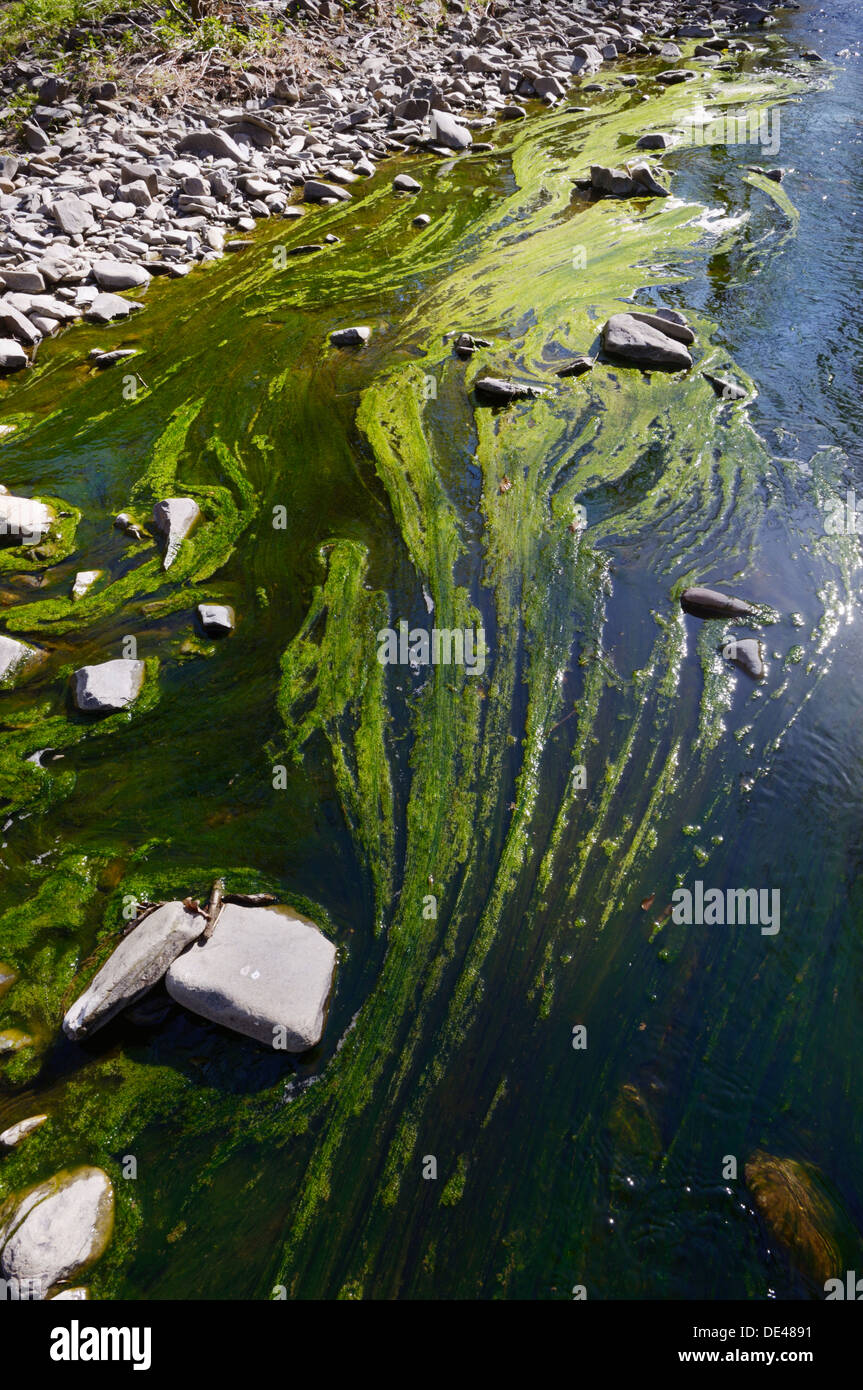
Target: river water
point(408, 792)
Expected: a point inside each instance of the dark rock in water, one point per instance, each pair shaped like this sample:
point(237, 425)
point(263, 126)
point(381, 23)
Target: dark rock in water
point(577, 367)
point(708, 603)
point(303, 250)
point(422, 219)
point(350, 337)
point(466, 344)
point(314, 191)
point(621, 183)
point(654, 141)
point(646, 182)
point(776, 175)
point(625, 337)
point(513, 113)
point(125, 523)
point(728, 390)
point(745, 653)
point(797, 1212)
point(493, 390)
point(403, 183)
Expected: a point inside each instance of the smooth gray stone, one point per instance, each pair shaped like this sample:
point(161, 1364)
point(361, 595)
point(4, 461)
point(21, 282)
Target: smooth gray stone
point(314, 191)
point(217, 619)
point(107, 307)
point(263, 969)
point(57, 1228)
point(73, 215)
point(12, 355)
point(174, 518)
point(446, 130)
point(654, 140)
point(623, 336)
point(709, 603)
point(24, 279)
point(214, 142)
point(403, 183)
point(675, 327)
point(110, 686)
point(119, 275)
point(134, 966)
point(746, 654)
point(15, 658)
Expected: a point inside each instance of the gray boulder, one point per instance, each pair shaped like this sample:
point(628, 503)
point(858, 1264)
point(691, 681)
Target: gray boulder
point(446, 130)
point(137, 963)
point(314, 191)
point(15, 657)
point(120, 275)
point(493, 390)
point(214, 142)
point(403, 183)
point(73, 215)
point(174, 518)
point(668, 321)
point(12, 355)
point(107, 307)
point(625, 337)
point(57, 1228)
point(263, 970)
point(110, 686)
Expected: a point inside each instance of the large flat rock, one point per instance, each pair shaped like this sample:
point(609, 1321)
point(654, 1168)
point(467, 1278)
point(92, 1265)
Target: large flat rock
point(138, 963)
point(174, 518)
point(110, 686)
point(56, 1228)
point(262, 970)
point(628, 338)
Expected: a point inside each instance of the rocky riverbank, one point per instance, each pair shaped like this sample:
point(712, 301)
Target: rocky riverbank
point(110, 190)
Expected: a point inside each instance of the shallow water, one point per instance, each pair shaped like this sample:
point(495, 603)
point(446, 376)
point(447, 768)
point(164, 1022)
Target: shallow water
point(452, 1037)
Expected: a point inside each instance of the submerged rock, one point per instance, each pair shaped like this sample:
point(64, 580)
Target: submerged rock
point(746, 653)
point(57, 1228)
point(134, 966)
point(726, 390)
point(493, 390)
point(263, 970)
point(709, 603)
point(84, 581)
point(350, 337)
point(108, 687)
point(15, 1133)
point(796, 1212)
point(174, 518)
point(110, 359)
point(627, 337)
point(466, 344)
point(622, 183)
